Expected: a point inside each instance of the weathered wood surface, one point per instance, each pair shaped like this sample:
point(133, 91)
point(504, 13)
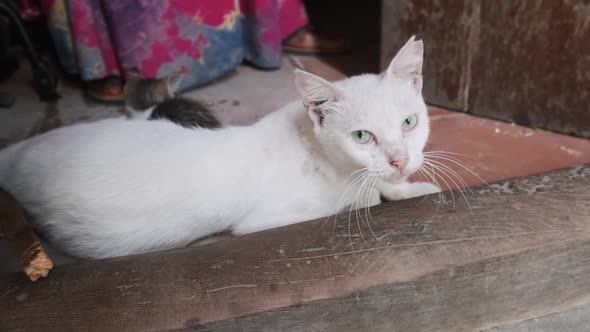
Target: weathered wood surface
point(522, 251)
point(533, 64)
point(448, 31)
point(521, 61)
point(576, 319)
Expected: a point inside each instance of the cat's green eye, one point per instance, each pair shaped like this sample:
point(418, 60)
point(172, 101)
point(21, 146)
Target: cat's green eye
point(410, 122)
point(362, 136)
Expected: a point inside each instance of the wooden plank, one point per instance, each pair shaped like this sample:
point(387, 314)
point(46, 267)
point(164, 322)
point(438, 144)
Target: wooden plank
point(522, 251)
point(576, 319)
point(449, 29)
point(533, 64)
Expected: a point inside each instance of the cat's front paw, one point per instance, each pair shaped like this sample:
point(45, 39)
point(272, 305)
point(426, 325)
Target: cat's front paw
point(408, 190)
point(424, 188)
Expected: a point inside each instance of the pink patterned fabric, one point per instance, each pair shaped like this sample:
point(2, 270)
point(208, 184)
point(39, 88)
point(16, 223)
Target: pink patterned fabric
point(206, 38)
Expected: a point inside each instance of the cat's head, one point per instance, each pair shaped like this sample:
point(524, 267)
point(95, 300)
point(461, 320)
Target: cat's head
point(377, 122)
point(143, 93)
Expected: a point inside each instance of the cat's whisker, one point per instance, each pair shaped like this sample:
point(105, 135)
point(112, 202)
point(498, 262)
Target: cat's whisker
point(358, 213)
point(358, 206)
point(460, 164)
point(423, 173)
point(359, 178)
point(460, 179)
point(462, 182)
point(351, 174)
point(451, 157)
point(361, 208)
point(336, 209)
point(368, 208)
point(442, 155)
point(349, 186)
point(440, 152)
point(432, 176)
point(352, 206)
point(369, 190)
point(434, 169)
point(364, 199)
point(448, 172)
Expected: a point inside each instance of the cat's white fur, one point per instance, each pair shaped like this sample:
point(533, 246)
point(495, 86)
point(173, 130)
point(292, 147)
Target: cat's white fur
point(134, 114)
point(117, 187)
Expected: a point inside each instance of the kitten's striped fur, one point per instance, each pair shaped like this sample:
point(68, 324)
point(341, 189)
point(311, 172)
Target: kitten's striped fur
point(153, 99)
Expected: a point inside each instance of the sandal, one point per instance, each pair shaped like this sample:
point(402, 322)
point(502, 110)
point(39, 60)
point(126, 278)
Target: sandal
point(307, 41)
point(109, 90)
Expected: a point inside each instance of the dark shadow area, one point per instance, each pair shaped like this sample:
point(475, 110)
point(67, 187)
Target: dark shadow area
point(359, 22)
point(24, 37)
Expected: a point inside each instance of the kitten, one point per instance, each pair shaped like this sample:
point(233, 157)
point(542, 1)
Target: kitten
point(117, 187)
point(153, 99)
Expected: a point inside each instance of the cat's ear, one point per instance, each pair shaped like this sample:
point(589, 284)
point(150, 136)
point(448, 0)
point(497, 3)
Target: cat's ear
point(407, 63)
point(315, 92)
point(173, 82)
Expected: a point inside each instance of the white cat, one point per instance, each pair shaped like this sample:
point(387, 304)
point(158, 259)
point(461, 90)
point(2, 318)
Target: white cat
point(117, 187)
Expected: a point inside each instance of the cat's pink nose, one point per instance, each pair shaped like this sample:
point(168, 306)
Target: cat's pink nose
point(399, 163)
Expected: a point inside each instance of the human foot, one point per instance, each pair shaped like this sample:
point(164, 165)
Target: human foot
point(307, 41)
point(109, 89)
